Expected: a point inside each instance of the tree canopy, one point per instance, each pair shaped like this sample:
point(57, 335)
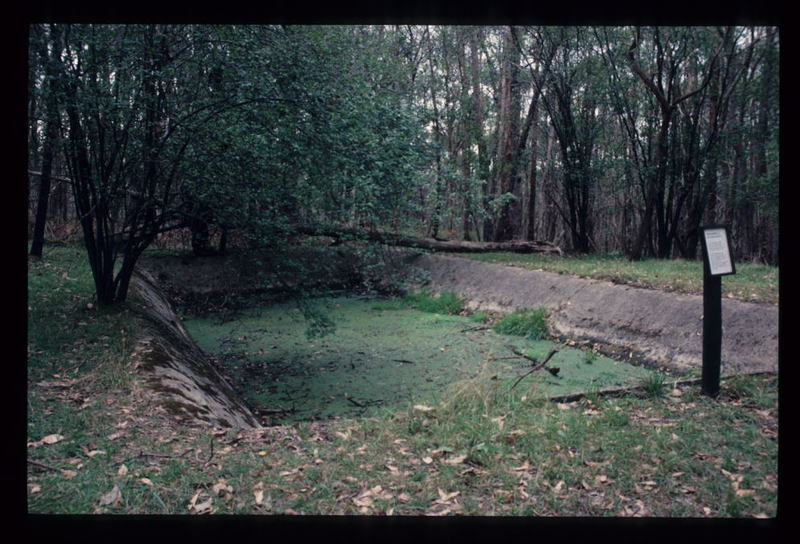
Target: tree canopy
point(597, 139)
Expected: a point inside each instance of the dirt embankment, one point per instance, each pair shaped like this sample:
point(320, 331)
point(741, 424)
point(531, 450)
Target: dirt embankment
point(647, 326)
point(650, 326)
point(209, 282)
point(179, 374)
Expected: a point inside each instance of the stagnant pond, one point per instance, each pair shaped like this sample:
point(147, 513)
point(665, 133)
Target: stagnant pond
point(383, 356)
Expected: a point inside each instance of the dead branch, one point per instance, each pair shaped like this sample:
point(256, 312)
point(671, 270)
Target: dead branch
point(57, 178)
point(274, 411)
point(479, 328)
point(355, 402)
point(159, 455)
point(211, 453)
point(42, 465)
point(537, 366)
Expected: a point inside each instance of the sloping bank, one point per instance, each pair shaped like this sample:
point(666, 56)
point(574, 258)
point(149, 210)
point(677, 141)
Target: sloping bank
point(662, 329)
point(177, 371)
point(180, 375)
point(650, 326)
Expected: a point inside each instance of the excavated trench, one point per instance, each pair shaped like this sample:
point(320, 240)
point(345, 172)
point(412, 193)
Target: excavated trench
point(652, 327)
point(649, 328)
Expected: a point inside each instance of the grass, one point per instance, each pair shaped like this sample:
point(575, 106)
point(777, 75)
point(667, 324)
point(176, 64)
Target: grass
point(752, 282)
point(531, 324)
point(446, 302)
point(654, 385)
point(486, 451)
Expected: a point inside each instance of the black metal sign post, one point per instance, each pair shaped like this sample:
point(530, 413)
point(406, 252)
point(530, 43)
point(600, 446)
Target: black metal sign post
point(717, 262)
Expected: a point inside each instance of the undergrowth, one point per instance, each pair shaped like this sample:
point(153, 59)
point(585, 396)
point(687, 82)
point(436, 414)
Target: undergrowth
point(531, 324)
point(446, 302)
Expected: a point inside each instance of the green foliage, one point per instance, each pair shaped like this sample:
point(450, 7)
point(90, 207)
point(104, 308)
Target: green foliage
point(654, 385)
point(318, 322)
point(258, 129)
point(329, 143)
point(531, 324)
point(479, 317)
point(446, 302)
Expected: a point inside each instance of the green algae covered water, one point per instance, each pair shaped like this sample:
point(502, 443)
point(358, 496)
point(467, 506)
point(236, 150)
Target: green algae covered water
point(382, 356)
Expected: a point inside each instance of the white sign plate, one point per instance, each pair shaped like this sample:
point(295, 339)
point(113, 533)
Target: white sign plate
point(719, 255)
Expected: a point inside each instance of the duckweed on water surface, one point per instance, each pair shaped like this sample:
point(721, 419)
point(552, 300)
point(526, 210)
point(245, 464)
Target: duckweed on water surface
point(383, 356)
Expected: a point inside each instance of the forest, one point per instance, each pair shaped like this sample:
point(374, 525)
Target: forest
point(608, 140)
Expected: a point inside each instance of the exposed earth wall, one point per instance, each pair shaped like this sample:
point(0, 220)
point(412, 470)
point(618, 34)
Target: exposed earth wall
point(651, 326)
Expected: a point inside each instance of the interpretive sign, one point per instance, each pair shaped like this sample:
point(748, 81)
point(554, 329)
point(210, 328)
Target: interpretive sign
point(717, 261)
point(717, 251)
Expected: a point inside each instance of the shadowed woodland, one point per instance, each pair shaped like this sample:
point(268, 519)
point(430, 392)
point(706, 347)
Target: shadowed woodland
point(592, 139)
point(288, 157)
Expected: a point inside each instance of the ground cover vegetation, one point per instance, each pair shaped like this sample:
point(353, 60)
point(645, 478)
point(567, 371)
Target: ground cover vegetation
point(96, 446)
point(612, 140)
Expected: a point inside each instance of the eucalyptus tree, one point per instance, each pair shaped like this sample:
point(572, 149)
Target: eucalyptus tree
point(750, 148)
point(664, 76)
point(508, 137)
point(669, 67)
point(537, 56)
point(707, 131)
point(672, 91)
point(571, 99)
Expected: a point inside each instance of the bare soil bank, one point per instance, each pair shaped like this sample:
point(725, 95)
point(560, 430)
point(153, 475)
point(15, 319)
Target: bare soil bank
point(664, 329)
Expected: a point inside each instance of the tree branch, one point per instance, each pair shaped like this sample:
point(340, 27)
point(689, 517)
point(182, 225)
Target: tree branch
point(535, 368)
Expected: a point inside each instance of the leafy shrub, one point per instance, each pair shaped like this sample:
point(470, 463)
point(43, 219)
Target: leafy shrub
point(531, 324)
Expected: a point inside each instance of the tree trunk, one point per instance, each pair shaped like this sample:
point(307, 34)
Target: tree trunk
point(223, 241)
point(48, 144)
point(653, 184)
point(508, 137)
point(477, 127)
point(530, 211)
point(433, 226)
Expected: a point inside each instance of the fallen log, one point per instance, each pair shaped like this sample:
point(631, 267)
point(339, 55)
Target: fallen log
point(433, 244)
